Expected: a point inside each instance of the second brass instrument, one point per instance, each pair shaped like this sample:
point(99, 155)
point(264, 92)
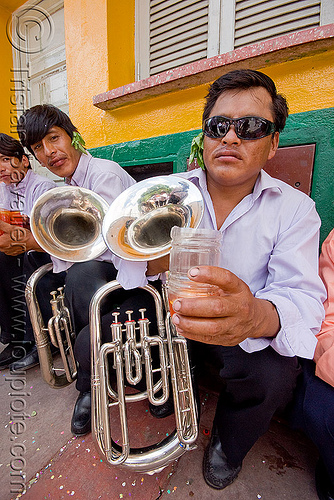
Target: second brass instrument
point(67, 221)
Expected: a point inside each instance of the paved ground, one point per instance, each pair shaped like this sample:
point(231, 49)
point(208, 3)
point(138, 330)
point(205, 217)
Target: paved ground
point(58, 466)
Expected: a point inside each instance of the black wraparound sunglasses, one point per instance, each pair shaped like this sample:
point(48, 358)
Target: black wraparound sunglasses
point(246, 127)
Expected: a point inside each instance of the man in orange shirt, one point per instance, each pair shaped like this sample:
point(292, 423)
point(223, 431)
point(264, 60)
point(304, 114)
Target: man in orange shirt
point(314, 409)
point(324, 353)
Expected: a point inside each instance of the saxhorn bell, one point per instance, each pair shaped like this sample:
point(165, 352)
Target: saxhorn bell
point(138, 223)
point(67, 223)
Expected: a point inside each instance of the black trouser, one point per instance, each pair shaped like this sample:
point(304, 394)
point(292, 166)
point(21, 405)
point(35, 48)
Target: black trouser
point(313, 412)
point(256, 386)
point(82, 281)
point(15, 271)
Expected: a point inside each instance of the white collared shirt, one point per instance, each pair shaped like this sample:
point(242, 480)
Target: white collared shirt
point(22, 196)
point(271, 241)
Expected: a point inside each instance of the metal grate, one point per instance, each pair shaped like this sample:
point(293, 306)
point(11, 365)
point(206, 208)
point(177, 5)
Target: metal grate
point(140, 172)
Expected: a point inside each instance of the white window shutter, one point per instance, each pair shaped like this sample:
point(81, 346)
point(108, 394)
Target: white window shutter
point(327, 12)
point(257, 20)
point(41, 72)
point(171, 33)
point(227, 26)
point(178, 33)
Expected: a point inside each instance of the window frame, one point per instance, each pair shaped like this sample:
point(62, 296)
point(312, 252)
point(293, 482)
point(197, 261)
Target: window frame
point(23, 78)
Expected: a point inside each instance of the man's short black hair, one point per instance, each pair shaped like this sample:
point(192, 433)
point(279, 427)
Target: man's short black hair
point(11, 147)
point(243, 79)
point(35, 123)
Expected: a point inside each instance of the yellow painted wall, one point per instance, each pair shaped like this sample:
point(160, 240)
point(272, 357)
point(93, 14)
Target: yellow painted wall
point(86, 44)
point(121, 42)
point(99, 39)
point(307, 83)
point(6, 74)
point(6, 64)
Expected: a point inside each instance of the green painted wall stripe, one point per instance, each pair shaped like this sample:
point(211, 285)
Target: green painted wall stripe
point(311, 127)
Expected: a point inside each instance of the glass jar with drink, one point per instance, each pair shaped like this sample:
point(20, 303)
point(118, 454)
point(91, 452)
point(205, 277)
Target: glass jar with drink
point(15, 218)
point(191, 248)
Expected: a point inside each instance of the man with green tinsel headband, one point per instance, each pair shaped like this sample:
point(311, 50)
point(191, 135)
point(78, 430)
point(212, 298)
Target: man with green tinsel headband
point(51, 137)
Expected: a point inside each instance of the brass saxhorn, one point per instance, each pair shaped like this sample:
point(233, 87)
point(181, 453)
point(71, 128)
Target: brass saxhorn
point(137, 227)
point(128, 356)
point(59, 331)
point(67, 223)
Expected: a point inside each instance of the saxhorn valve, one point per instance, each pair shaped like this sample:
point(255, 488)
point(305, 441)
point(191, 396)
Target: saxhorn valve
point(132, 356)
point(142, 313)
point(116, 327)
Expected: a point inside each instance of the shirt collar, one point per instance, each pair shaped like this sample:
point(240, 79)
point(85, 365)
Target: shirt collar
point(80, 172)
point(263, 182)
point(198, 176)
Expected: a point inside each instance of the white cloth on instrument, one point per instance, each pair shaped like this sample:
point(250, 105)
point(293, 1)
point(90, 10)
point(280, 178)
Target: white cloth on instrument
point(271, 242)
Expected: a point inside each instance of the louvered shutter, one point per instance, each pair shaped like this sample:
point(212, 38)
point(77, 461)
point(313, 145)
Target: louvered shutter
point(171, 33)
point(257, 20)
point(178, 33)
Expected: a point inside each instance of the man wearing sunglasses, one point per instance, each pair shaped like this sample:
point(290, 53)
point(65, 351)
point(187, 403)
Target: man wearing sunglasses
point(269, 306)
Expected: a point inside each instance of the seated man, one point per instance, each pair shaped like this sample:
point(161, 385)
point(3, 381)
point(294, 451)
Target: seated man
point(51, 137)
point(269, 306)
point(19, 256)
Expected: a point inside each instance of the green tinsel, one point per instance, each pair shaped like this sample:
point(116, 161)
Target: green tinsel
point(78, 142)
point(196, 150)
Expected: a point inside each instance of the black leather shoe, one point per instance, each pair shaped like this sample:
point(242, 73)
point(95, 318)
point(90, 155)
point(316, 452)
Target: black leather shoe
point(11, 353)
point(218, 473)
point(29, 361)
point(162, 411)
point(81, 418)
point(324, 485)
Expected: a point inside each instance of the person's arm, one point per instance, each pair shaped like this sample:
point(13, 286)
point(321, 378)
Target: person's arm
point(16, 240)
point(292, 293)
point(324, 353)
point(157, 266)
